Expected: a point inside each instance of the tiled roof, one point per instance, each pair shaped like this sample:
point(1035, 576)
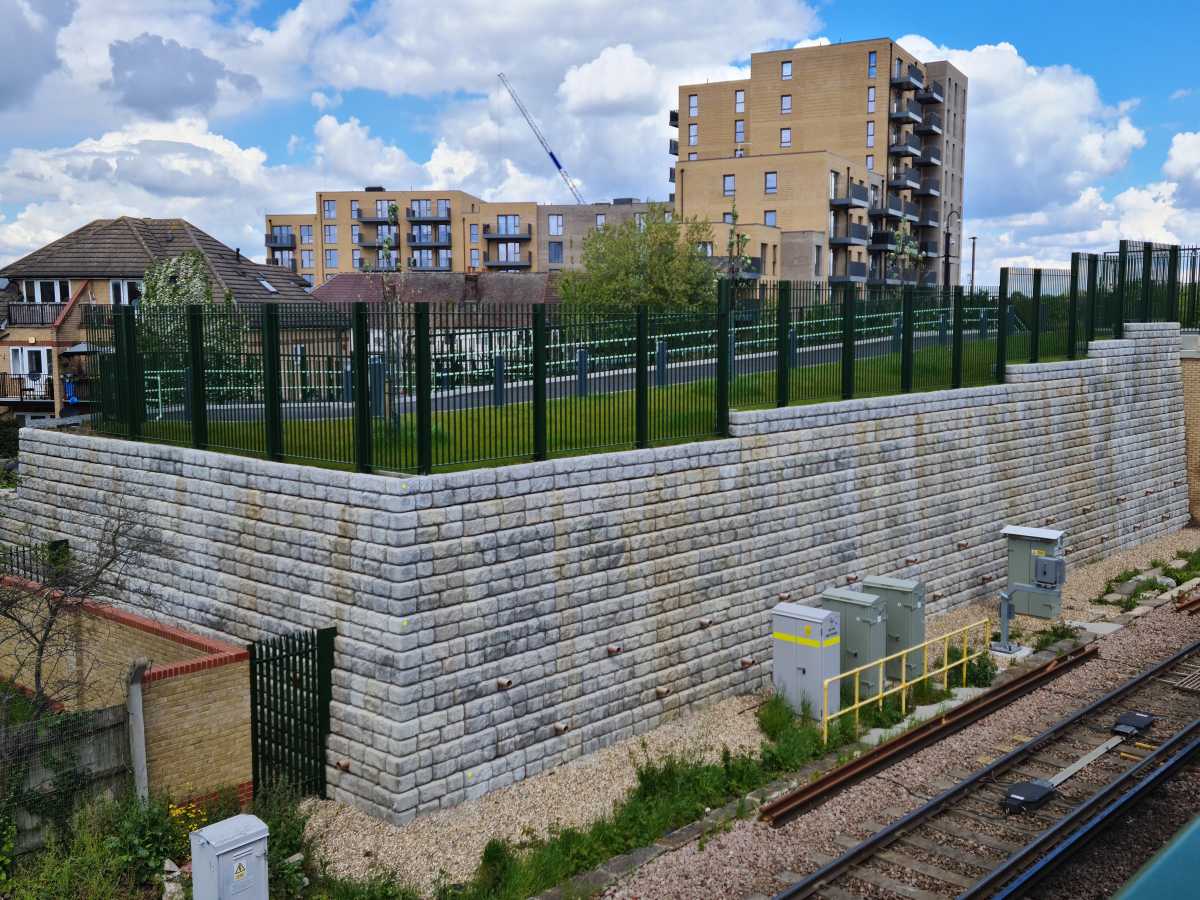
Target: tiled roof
point(125, 247)
point(433, 287)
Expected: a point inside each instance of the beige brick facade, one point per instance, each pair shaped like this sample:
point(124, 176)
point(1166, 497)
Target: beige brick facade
point(1189, 364)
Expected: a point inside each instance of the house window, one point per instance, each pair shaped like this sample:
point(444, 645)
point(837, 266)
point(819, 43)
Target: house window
point(706, 248)
point(639, 219)
point(354, 213)
point(693, 105)
point(872, 59)
point(785, 137)
point(785, 103)
point(381, 208)
point(474, 233)
point(356, 258)
point(421, 207)
point(331, 259)
point(693, 134)
point(870, 134)
point(443, 208)
point(739, 130)
point(770, 182)
point(285, 258)
point(556, 224)
point(330, 208)
point(443, 259)
point(769, 217)
point(389, 260)
point(354, 234)
point(306, 259)
point(785, 70)
point(35, 361)
point(509, 252)
point(871, 99)
point(123, 293)
point(475, 258)
point(727, 218)
point(870, 162)
point(46, 291)
point(508, 224)
point(692, 156)
point(599, 221)
point(739, 101)
point(306, 234)
point(556, 255)
point(331, 234)
point(728, 185)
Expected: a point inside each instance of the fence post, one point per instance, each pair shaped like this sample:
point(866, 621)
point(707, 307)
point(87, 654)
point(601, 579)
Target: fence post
point(1073, 306)
point(848, 323)
point(783, 327)
point(956, 347)
point(906, 344)
point(1117, 315)
point(1147, 280)
point(135, 394)
point(1092, 293)
point(197, 389)
point(641, 363)
point(1002, 328)
point(662, 360)
point(361, 379)
point(272, 381)
point(581, 372)
point(1173, 285)
point(498, 380)
point(424, 389)
point(724, 334)
point(1035, 331)
point(539, 381)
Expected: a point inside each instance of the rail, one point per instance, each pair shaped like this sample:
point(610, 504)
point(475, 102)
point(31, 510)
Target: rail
point(902, 685)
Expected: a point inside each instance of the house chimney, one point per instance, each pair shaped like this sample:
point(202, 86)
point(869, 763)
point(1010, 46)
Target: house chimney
point(237, 252)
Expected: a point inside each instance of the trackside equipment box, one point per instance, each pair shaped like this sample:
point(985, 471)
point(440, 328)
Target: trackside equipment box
point(904, 599)
point(1036, 571)
point(805, 642)
point(864, 626)
point(229, 860)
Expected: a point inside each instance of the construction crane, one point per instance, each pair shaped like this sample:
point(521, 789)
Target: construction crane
point(537, 133)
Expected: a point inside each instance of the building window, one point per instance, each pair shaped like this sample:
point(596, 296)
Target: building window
point(389, 260)
point(475, 258)
point(443, 207)
point(355, 234)
point(693, 105)
point(599, 221)
point(639, 219)
point(728, 185)
point(872, 60)
point(727, 218)
point(785, 103)
point(121, 293)
point(817, 260)
point(306, 234)
point(833, 184)
point(331, 259)
point(508, 224)
point(330, 207)
point(692, 156)
point(306, 259)
point(706, 248)
point(556, 224)
point(443, 257)
point(870, 134)
point(421, 207)
point(739, 101)
point(508, 252)
point(769, 217)
point(785, 70)
point(693, 134)
point(871, 99)
point(556, 255)
point(356, 258)
point(739, 130)
point(307, 276)
point(770, 181)
point(354, 213)
point(331, 234)
point(785, 137)
point(47, 291)
point(285, 258)
point(870, 162)
point(474, 233)
point(381, 208)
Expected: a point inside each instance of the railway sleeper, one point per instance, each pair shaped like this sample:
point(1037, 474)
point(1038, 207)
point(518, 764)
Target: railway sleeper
point(929, 870)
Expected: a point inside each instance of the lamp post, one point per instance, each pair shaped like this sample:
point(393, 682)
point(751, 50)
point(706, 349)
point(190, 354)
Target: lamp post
point(973, 240)
point(946, 250)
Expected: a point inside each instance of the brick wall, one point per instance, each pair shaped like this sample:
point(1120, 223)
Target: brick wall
point(441, 585)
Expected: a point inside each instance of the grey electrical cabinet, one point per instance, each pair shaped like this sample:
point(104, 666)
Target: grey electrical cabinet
point(229, 860)
point(864, 626)
point(904, 600)
point(1036, 571)
point(805, 642)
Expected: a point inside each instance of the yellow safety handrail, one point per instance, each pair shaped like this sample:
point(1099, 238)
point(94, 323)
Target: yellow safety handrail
point(902, 686)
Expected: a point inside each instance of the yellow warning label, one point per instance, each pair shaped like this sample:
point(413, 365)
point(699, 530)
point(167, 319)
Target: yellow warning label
point(239, 871)
point(808, 631)
point(1038, 551)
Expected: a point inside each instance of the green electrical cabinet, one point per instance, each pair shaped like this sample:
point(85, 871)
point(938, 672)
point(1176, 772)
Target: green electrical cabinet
point(863, 626)
point(905, 602)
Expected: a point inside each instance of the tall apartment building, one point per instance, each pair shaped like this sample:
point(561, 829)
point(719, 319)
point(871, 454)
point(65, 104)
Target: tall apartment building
point(828, 152)
point(434, 231)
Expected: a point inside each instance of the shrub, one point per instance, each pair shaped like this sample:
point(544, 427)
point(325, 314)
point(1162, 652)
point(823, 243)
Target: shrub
point(774, 716)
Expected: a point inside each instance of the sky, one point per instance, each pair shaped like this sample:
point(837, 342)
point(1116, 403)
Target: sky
point(1083, 125)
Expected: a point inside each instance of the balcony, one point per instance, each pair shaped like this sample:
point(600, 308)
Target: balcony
point(904, 180)
point(907, 276)
point(931, 155)
point(929, 279)
point(905, 145)
point(882, 241)
point(416, 265)
point(850, 235)
point(518, 263)
point(912, 211)
point(891, 207)
point(883, 278)
point(290, 265)
point(673, 147)
point(36, 315)
point(671, 175)
point(372, 218)
point(905, 111)
point(280, 241)
point(909, 78)
point(434, 214)
point(37, 388)
point(379, 240)
point(417, 240)
point(931, 123)
point(931, 248)
point(930, 218)
point(850, 273)
point(929, 187)
point(856, 195)
point(673, 118)
point(933, 92)
point(508, 234)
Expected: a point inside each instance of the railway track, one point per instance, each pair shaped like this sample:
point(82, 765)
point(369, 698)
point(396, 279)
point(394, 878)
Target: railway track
point(1001, 830)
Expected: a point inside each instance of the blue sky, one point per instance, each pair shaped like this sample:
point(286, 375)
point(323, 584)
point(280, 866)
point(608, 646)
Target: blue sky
point(1083, 125)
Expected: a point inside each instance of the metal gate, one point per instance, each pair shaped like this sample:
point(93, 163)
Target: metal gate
point(290, 689)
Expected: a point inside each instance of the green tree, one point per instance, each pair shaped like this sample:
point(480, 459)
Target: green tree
point(658, 262)
point(736, 260)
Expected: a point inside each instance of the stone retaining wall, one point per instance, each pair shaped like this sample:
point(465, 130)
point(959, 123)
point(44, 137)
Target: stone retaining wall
point(615, 589)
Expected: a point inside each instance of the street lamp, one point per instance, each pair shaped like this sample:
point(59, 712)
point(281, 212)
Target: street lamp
point(973, 240)
point(946, 250)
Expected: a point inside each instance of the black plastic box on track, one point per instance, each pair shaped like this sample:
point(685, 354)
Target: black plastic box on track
point(1027, 795)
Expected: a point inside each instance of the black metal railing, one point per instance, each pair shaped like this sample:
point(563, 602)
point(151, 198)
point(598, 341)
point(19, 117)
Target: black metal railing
point(276, 241)
point(38, 387)
point(931, 123)
point(851, 233)
point(34, 314)
point(497, 233)
point(929, 187)
point(854, 195)
point(906, 110)
point(430, 214)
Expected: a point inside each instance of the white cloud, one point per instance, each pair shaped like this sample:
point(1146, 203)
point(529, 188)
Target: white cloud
point(346, 151)
point(30, 45)
point(617, 82)
point(1183, 163)
point(323, 101)
point(1181, 93)
point(813, 42)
